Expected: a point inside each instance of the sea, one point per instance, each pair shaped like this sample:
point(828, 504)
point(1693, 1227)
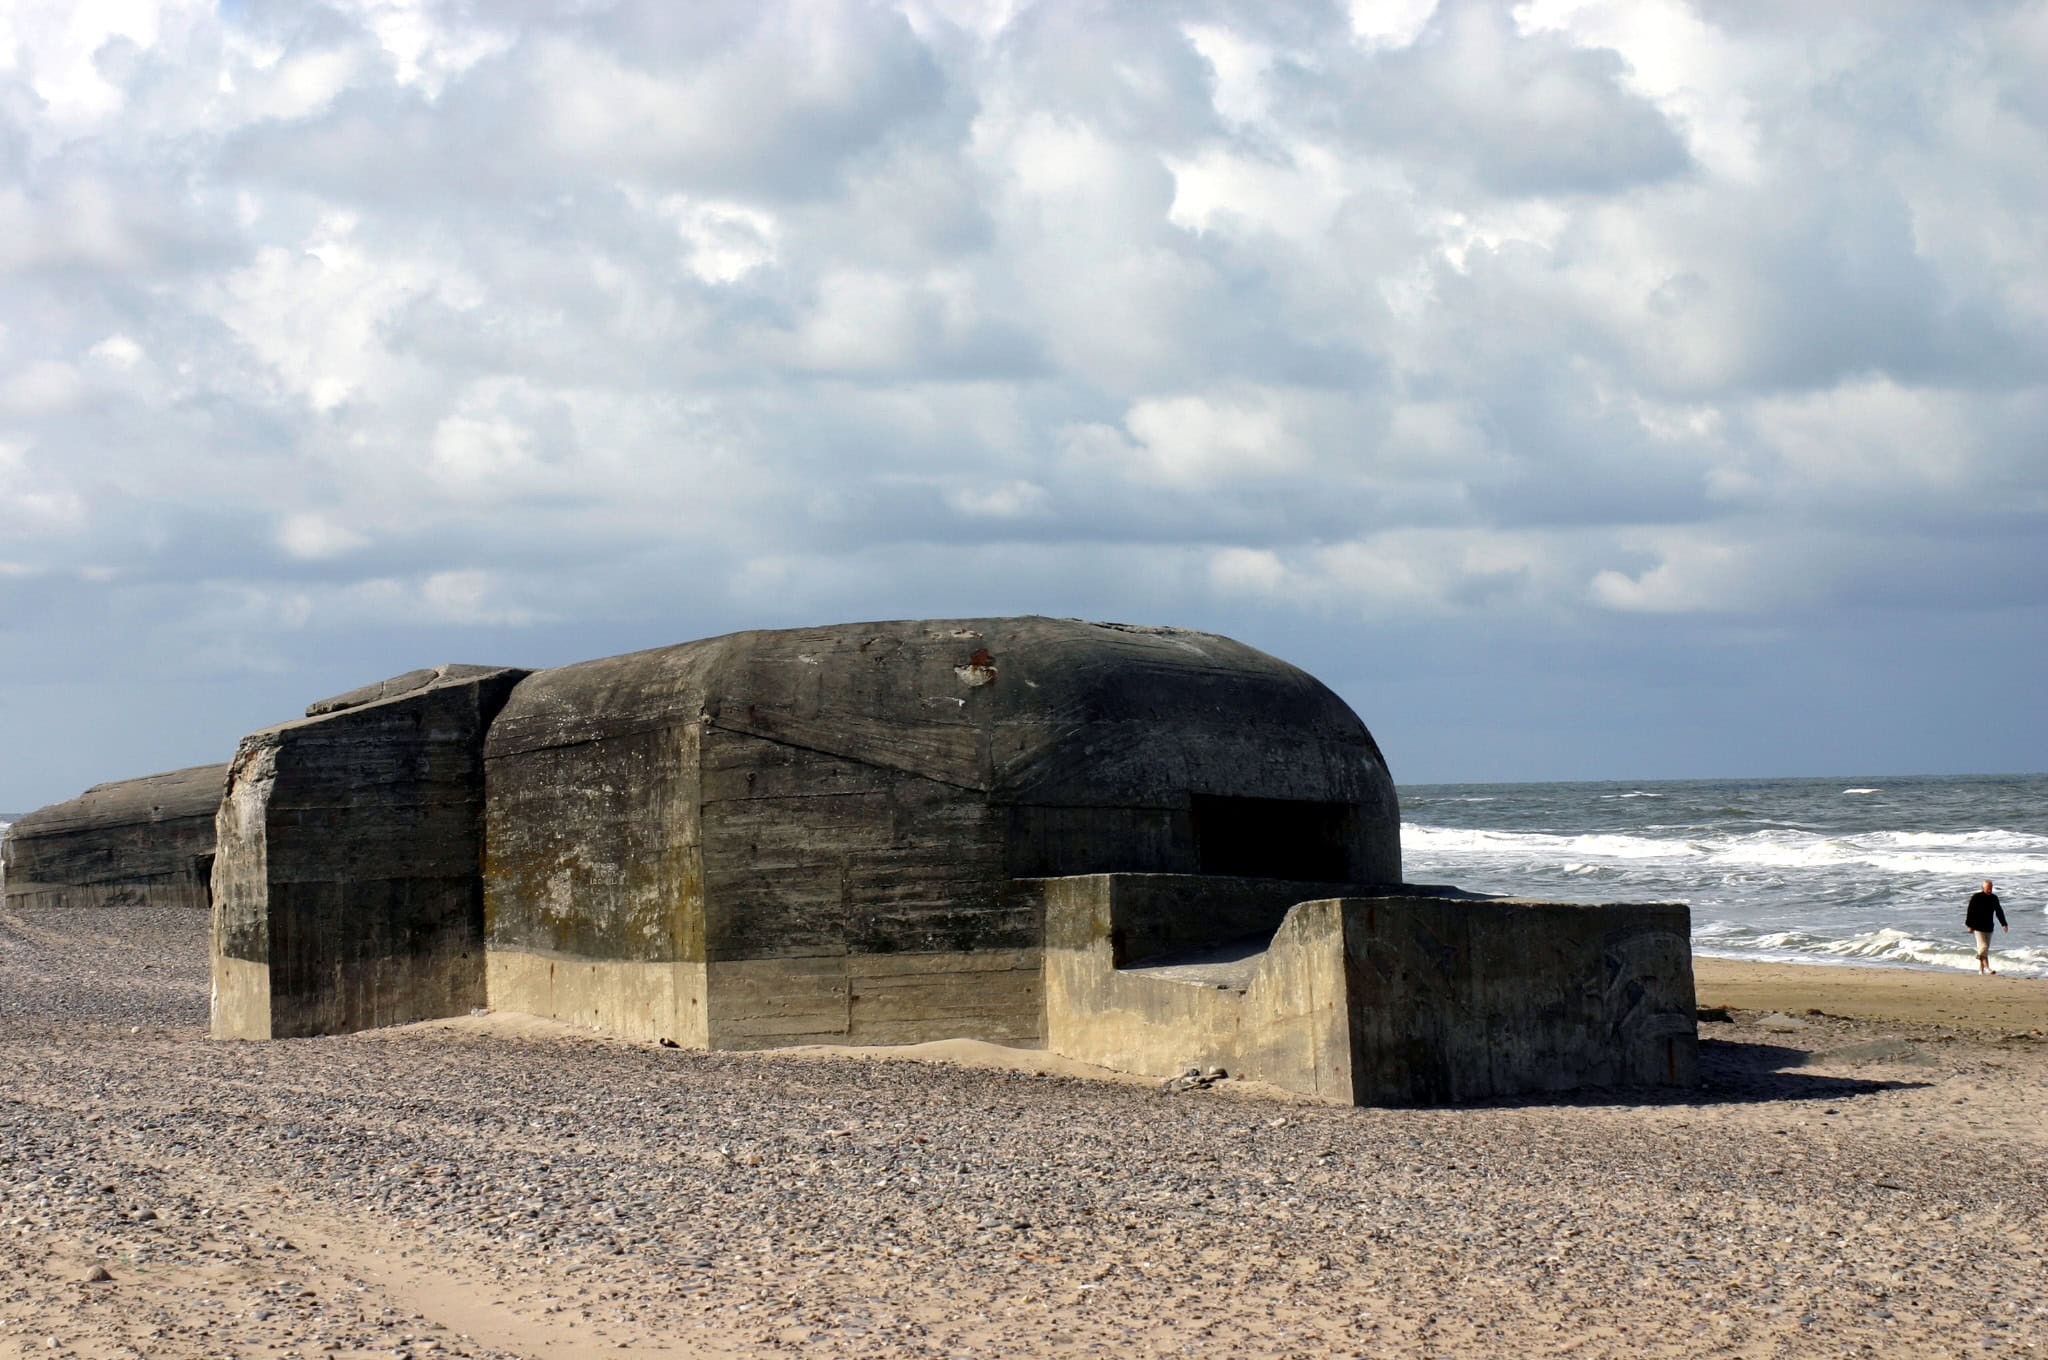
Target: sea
point(1869, 870)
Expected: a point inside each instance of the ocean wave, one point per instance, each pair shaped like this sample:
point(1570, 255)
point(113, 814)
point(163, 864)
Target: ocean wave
point(1987, 839)
point(1971, 854)
point(1714, 930)
point(1526, 845)
point(1791, 870)
point(1638, 793)
point(1900, 948)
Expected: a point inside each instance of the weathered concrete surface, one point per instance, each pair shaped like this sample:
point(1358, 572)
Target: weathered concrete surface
point(829, 820)
point(645, 1002)
point(397, 685)
point(859, 998)
point(347, 888)
point(138, 842)
point(1151, 973)
point(1374, 1000)
point(1457, 1001)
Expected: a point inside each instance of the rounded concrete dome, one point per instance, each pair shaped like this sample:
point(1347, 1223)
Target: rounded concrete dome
point(1119, 748)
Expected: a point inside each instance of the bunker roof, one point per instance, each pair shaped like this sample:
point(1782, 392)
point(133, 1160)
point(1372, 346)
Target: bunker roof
point(1025, 709)
point(176, 794)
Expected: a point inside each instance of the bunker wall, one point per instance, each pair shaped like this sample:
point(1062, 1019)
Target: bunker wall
point(137, 842)
point(1459, 1001)
point(593, 883)
point(719, 889)
point(853, 903)
point(347, 888)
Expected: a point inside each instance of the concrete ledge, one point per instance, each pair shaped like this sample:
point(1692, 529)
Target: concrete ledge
point(1196, 1009)
point(1381, 1000)
point(879, 999)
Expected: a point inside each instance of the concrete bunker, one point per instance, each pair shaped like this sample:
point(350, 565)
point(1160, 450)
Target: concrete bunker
point(1147, 847)
point(135, 842)
point(816, 835)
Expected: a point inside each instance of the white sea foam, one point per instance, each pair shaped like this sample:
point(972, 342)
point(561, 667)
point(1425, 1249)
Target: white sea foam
point(1724, 939)
point(1430, 841)
point(1987, 853)
point(1987, 839)
point(1862, 790)
point(1715, 930)
point(1638, 793)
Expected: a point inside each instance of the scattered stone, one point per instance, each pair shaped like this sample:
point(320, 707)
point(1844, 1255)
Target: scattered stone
point(1717, 1015)
point(1194, 1079)
point(586, 1176)
point(1873, 1051)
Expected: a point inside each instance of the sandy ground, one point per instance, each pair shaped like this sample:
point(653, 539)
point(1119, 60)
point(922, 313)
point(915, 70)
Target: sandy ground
point(1962, 1001)
point(1864, 1171)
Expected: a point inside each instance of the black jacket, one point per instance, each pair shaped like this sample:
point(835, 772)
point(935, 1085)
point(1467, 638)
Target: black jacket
point(1983, 906)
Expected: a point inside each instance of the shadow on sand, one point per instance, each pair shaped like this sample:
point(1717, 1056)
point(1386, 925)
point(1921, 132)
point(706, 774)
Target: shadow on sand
point(1731, 1074)
point(1740, 1072)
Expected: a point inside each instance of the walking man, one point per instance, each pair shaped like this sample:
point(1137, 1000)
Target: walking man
point(1984, 907)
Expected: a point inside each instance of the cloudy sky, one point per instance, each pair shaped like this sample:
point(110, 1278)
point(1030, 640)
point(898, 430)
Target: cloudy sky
point(1582, 388)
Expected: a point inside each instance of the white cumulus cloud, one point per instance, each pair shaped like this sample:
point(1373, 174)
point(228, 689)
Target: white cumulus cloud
point(1601, 340)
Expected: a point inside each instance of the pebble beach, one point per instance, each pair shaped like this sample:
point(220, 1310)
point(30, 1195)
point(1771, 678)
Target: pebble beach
point(1853, 1177)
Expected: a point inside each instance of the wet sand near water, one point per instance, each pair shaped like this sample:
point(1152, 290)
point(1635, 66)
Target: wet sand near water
point(498, 1186)
point(1964, 1001)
